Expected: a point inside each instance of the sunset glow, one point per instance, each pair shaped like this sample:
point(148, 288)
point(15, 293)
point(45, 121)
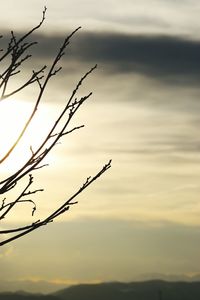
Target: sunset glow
point(142, 219)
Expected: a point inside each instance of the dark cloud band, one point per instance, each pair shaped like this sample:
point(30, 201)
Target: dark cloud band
point(161, 57)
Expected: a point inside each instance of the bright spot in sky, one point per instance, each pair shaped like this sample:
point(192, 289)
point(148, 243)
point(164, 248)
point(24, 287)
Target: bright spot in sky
point(13, 117)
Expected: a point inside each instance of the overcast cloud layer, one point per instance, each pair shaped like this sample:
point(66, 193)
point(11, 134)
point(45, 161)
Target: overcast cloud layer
point(139, 16)
point(144, 114)
point(165, 58)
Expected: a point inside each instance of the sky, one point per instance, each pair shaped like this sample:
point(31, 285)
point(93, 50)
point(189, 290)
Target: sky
point(141, 219)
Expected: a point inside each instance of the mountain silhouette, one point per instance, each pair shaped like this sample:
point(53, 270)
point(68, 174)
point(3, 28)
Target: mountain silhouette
point(26, 296)
point(148, 290)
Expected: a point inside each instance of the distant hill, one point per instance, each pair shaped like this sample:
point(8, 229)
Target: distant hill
point(26, 296)
point(148, 290)
point(31, 286)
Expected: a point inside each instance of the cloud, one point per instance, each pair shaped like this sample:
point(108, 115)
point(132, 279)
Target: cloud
point(164, 58)
point(157, 247)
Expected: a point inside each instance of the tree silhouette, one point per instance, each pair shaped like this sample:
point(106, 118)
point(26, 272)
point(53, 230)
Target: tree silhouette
point(15, 55)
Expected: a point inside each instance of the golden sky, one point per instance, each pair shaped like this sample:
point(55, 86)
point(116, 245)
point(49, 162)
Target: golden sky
point(142, 217)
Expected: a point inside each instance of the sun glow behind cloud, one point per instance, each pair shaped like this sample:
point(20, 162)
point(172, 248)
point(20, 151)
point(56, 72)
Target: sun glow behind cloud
point(144, 115)
point(14, 114)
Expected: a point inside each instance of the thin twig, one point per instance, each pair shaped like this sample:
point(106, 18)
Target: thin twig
point(63, 208)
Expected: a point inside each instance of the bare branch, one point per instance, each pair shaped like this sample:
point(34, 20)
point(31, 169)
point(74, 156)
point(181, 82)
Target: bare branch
point(17, 53)
point(62, 209)
point(42, 89)
point(72, 107)
point(25, 36)
point(69, 131)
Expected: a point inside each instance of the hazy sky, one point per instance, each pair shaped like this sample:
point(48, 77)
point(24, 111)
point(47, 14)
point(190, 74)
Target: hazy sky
point(143, 216)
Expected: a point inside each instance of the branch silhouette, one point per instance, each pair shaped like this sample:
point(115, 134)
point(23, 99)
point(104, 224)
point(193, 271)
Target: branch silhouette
point(16, 54)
